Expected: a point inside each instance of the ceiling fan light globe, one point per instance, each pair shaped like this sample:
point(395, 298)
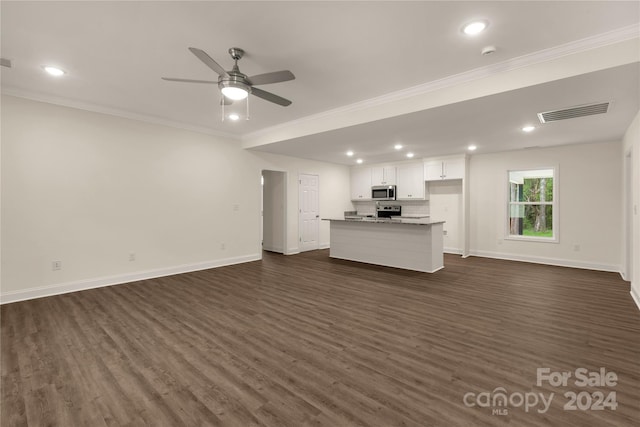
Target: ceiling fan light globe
point(234, 93)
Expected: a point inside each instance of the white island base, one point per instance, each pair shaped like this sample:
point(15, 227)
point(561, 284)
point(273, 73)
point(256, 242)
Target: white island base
point(412, 245)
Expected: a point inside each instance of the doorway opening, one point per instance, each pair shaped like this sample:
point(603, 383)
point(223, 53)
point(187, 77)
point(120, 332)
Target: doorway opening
point(273, 229)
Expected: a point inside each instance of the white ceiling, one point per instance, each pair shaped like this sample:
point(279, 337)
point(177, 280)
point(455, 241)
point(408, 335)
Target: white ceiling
point(342, 53)
point(492, 123)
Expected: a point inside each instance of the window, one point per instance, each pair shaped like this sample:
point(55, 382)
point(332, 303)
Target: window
point(532, 205)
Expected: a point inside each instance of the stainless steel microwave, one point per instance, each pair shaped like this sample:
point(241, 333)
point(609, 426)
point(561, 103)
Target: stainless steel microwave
point(383, 192)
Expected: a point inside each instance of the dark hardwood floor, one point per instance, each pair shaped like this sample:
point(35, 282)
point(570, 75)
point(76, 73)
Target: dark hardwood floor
point(305, 340)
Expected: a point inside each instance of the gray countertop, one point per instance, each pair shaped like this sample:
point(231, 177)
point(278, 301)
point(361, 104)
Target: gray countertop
point(413, 221)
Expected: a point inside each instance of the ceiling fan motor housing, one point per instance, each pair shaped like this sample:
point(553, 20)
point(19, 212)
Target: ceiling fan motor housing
point(236, 53)
point(235, 78)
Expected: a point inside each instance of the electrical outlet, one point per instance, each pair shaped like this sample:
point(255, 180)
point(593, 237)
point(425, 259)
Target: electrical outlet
point(576, 247)
point(223, 246)
point(444, 232)
point(132, 256)
point(236, 208)
point(56, 265)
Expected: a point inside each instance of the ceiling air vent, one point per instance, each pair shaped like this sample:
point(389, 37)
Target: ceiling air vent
point(573, 112)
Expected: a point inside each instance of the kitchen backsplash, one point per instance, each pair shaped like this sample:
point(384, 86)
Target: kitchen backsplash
point(409, 207)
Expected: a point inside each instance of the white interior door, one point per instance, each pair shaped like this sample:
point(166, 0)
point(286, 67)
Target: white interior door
point(309, 212)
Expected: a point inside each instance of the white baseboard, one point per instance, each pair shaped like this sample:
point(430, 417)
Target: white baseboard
point(292, 251)
point(81, 285)
point(324, 246)
point(635, 297)
point(549, 261)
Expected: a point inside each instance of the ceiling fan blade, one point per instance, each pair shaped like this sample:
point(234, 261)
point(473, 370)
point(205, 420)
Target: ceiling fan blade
point(208, 61)
point(170, 79)
point(275, 77)
point(268, 96)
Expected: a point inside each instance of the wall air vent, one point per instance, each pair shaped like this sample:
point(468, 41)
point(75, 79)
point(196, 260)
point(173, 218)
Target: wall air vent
point(573, 112)
point(5, 62)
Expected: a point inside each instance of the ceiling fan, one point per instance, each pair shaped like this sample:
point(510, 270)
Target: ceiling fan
point(235, 85)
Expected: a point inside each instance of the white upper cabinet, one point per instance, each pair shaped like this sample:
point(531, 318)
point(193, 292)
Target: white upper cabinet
point(411, 182)
point(433, 170)
point(383, 175)
point(360, 184)
point(454, 168)
point(439, 169)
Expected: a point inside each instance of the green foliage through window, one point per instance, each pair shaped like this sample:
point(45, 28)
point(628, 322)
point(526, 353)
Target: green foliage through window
point(531, 203)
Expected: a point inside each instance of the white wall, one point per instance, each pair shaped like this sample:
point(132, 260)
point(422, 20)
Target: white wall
point(590, 199)
point(631, 145)
point(88, 189)
point(334, 192)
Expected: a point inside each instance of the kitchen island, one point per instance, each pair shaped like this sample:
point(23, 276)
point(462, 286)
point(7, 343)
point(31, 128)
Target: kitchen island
point(409, 243)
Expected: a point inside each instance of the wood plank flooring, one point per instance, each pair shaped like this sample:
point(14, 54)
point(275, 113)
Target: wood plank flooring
point(307, 340)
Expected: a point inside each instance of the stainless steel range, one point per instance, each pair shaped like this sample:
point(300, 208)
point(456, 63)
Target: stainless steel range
point(388, 211)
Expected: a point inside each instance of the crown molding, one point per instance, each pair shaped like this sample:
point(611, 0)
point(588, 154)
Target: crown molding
point(117, 112)
point(600, 40)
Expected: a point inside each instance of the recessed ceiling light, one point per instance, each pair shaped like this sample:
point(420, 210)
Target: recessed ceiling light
point(475, 27)
point(398, 146)
point(349, 153)
point(472, 147)
point(54, 71)
point(528, 128)
point(409, 155)
point(234, 116)
point(359, 161)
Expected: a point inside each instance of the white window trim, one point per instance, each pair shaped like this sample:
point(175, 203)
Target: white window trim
point(555, 204)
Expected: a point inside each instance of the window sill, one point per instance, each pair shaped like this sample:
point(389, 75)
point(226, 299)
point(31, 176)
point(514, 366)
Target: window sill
point(533, 239)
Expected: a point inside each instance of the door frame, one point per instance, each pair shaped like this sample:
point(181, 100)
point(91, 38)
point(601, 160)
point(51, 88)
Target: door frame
point(627, 271)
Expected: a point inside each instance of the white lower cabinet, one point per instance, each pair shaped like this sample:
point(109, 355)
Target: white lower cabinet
point(411, 182)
